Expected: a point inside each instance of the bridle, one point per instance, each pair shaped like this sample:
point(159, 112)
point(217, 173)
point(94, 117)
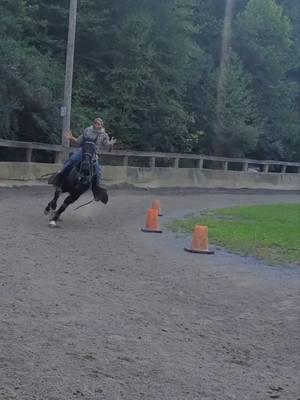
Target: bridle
point(86, 166)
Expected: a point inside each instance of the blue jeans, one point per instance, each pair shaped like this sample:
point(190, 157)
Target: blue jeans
point(75, 159)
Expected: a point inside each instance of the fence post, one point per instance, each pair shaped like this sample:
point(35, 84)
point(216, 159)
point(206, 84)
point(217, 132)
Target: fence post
point(266, 168)
point(176, 162)
point(59, 155)
point(28, 154)
point(245, 166)
point(283, 169)
point(225, 165)
point(200, 164)
point(125, 161)
point(152, 162)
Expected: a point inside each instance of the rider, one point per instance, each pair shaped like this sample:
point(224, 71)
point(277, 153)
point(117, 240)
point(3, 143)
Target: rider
point(95, 133)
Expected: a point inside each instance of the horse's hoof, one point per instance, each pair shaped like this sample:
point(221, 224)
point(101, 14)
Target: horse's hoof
point(46, 212)
point(52, 224)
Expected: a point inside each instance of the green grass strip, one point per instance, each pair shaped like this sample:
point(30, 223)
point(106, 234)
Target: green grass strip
point(269, 232)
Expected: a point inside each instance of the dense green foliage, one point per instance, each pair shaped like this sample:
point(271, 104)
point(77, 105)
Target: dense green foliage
point(157, 72)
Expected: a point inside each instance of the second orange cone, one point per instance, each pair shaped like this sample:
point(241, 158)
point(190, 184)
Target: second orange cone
point(156, 206)
point(200, 241)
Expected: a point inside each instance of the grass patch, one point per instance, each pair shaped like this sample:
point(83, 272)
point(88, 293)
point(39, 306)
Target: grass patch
point(269, 232)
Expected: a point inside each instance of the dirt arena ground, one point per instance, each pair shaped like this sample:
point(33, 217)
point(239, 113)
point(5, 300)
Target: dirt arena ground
point(100, 310)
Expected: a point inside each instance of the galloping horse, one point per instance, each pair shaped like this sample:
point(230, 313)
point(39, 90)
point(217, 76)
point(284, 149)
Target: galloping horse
point(78, 181)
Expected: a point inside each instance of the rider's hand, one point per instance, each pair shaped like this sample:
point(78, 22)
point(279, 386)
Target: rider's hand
point(112, 141)
point(68, 135)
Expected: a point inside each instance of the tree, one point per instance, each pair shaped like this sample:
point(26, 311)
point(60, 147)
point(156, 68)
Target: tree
point(29, 81)
point(236, 127)
point(152, 70)
point(140, 68)
point(264, 43)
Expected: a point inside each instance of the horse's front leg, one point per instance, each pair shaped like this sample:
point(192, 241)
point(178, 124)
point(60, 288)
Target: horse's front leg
point(53, 203)
point(69, 200)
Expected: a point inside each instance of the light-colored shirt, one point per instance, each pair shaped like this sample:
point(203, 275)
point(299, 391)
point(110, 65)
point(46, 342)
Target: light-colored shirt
point(100, 138)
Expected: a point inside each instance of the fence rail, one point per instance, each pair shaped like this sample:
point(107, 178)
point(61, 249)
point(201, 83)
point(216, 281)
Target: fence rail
point(59, 151)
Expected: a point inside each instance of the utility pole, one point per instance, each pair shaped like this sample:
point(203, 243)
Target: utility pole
point(66, 109)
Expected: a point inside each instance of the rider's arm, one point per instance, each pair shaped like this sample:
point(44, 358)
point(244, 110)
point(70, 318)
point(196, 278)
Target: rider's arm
point(105, 142)
point(73, 140)
point(79, 140)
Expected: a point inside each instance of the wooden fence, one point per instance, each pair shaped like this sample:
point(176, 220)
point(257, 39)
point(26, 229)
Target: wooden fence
point(177, 159)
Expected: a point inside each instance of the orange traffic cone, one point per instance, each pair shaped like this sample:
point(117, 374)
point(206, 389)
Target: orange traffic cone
point(156, 206)
point(200, 241)
point(152, 221)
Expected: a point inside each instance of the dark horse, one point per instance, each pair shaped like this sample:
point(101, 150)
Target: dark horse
point(78, 181)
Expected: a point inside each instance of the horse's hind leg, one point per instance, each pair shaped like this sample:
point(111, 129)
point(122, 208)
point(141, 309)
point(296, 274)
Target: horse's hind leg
point(53, 203)
point(69, 200)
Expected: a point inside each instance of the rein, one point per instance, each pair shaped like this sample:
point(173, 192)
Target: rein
point(83, 205)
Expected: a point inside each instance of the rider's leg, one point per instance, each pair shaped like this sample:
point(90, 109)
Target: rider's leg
point(75, 159)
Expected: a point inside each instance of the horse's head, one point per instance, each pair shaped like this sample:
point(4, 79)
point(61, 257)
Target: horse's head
point(88, 156)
